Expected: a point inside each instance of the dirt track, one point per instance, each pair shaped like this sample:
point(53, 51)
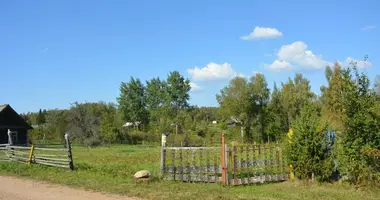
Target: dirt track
point(23, 189)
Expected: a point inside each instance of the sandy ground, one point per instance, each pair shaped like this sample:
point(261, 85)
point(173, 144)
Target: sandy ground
point(12, 188)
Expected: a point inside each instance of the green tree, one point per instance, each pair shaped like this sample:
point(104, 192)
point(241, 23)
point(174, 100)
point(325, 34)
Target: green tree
point(237, 99)
point(132, 101)
point(177, 96)
point(156, 96)
point(277, 119)
point(294, 94)
point(84, 123)
point(361, 127)
point(40, 117)
point(259, 87)
point(333, 94)
point(306, 152)
point(108, 124)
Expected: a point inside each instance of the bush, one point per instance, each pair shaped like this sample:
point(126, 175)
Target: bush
point(92, 141)
point(306, 150)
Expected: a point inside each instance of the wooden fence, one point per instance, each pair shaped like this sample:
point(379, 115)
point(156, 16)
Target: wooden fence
point(236, 165)
point(192, 164)
point(57, 157)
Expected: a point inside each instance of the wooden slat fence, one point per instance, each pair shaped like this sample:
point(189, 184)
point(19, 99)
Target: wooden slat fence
point(236, 165)
point(57, 157)
point(192, 164)
point(256, 164)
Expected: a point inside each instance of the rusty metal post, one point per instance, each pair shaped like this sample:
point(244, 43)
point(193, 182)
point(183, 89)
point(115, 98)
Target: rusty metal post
point(223, 159)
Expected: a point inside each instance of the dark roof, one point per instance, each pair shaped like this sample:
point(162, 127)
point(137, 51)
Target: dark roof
point(9, 118)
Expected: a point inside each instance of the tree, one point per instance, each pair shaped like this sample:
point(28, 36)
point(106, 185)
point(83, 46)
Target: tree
point(294, 94)
point(277, 119)
point(333, 98)
point(108, 123)
point(237, 99)
point(56, 125)
point(132, 101)
point(361, 126)
point(40, 117)
point(177, 96)
point(260, 89)
point(84, 123)
point(156, 96)
point(306, 151)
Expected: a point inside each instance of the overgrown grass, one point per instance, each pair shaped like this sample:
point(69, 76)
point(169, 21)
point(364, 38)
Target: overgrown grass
point(110, 169)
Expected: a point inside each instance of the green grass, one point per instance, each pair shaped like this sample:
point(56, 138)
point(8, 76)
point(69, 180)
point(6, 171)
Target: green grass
point(111, 169)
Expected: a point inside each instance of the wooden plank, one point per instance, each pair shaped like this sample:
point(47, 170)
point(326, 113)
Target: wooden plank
point(192, 169)
point(215, 168)
point(235, 165)
point(18, 147)
point(52, 164)
point(49, 149)
point(52, 155)
point(196, 179)
point(192, 148)
point(18, 158)
point(51, 159)
point(199, 171)
point(173, 162)
point(188, 163)
point(207, 164)
point(194, 164)
point(180, 164)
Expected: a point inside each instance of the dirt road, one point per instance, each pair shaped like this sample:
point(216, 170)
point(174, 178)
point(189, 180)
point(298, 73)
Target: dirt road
point(23, 189)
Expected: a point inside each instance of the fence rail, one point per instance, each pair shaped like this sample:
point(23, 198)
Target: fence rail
point(61, 157)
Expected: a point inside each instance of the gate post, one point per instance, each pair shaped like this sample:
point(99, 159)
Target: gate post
point(223, 159)
point(163, 154)
point(70, 154)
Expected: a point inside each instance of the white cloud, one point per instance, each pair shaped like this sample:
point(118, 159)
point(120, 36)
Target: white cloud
point(279, 65)
point(213, 71)
point(262, 33)
point(368, 27)
point(359, 63)
point(195, 87)
point(296, 55)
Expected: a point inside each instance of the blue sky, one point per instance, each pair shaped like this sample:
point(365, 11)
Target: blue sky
point(53, 53)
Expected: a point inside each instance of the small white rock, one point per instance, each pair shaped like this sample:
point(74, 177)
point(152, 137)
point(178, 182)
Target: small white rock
point(142, 174)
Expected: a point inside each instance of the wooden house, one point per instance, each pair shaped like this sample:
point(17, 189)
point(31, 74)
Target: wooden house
point(13, 125)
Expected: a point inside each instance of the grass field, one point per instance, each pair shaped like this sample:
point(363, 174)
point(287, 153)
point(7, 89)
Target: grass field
point(111, 169)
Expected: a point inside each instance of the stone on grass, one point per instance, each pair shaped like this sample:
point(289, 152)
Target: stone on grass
point(142, 174)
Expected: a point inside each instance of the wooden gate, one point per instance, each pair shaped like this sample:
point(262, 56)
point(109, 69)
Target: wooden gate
point(253, 163)
point(191, 164)
point(236, 165)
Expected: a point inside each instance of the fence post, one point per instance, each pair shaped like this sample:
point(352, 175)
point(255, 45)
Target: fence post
point(223, 159)
point(31, 155)
point(70, 155)
point(10, 142)
point(163, 154)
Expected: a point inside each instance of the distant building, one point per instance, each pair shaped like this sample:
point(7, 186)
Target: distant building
point(129, 124)
point(12, 122)
point(232, 121)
